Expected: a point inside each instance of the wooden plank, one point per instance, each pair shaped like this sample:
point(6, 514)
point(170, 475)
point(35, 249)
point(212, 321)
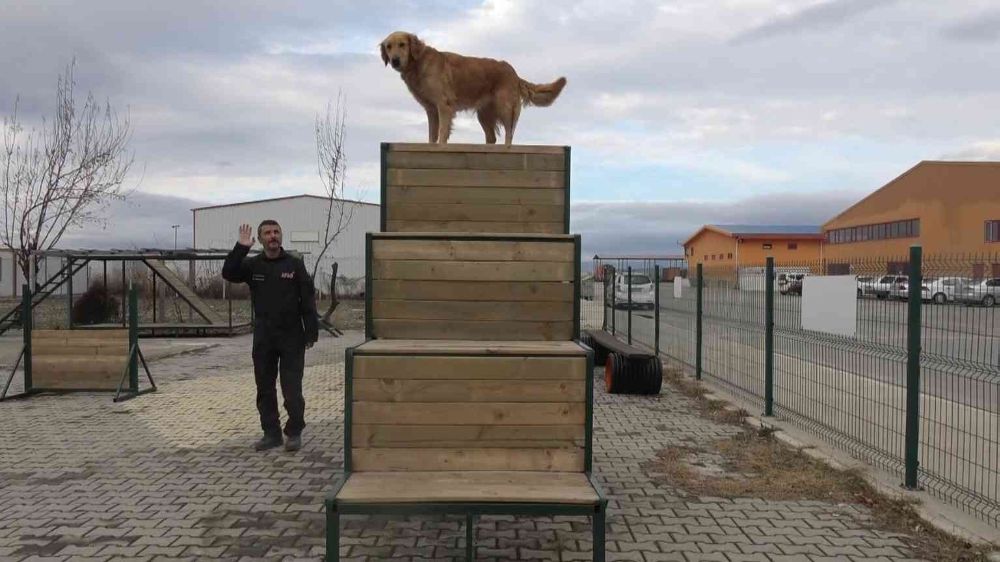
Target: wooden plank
point(468, 250)
point(476, 178)
point(476, 147)
point(79, 335)
point(467, 347)
point(472, 291)
point(559, 460)
point(472, 330)
point(512, 236)
point(476, 226)
point(476, 160)
point(432, 367)
point(403, 195)
point(447, 270)
point(462, 486)
point(395, 390)
point(458, 413)
point(50, 348)
point(78, 365)
point(511, 311)
point(474, 212)
point(367, 435)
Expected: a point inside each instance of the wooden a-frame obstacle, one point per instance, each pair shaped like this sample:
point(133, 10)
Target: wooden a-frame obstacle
point(472, 394)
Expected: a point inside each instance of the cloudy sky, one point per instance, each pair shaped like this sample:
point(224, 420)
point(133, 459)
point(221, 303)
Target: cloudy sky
point(679, 112)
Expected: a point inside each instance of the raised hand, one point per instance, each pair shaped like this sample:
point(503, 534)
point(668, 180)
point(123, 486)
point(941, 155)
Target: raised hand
point(246, 235)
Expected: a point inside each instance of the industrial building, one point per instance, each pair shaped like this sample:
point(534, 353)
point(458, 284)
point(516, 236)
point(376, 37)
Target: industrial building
point(303, 220)
point(741, 245)
point(945, 207)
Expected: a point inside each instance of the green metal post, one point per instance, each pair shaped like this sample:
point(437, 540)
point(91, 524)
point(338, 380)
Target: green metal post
point(614, 303)
point(604, 296)
point(629, 281)
point(769, 337)
point(133, 340)
point(26, 326)
point(698, 327)
point(913, 321)
point(69, 292)
point(656, 310)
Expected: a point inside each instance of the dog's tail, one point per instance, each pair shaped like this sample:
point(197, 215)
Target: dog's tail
point(541, 95)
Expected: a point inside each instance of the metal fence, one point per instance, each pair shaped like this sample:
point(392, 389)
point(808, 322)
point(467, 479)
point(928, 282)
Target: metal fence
point(914, 390)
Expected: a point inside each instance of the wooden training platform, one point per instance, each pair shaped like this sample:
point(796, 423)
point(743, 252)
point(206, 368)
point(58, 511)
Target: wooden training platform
point(472, 393)
point(475, 188)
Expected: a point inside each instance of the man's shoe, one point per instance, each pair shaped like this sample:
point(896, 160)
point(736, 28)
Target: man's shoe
point(293, 443)
point(267, 442)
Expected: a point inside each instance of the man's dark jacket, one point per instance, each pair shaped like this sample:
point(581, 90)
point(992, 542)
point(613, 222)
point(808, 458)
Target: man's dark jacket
point(283, 295)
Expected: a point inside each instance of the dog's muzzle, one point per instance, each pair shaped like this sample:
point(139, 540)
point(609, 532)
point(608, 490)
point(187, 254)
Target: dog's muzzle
point(395, 63)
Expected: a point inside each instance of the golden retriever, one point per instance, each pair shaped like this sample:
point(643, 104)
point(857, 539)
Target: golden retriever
point(445, 83)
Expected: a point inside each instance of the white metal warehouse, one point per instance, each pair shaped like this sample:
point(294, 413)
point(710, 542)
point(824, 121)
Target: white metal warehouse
point(303, 220)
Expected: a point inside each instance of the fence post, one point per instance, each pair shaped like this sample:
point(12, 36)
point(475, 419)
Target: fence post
point(698, 319)
point(913, 368)
point(26, 327)
point(604, 297)
point(133, 340)
point(769, 337)
point(656, 311)
point(629, 281)
point(614, 303)
point(69, 293)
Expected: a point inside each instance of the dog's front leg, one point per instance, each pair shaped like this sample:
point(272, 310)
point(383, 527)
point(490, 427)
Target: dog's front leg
point(445, 114)
point(432, 123)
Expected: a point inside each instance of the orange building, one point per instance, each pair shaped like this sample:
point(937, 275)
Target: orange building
point(946, 207)
point(750, 245)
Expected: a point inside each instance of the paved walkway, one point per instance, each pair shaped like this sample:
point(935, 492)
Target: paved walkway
point(171, 476)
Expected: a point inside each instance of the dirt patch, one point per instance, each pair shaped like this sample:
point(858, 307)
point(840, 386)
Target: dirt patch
point(756, 465)
point(716, 410)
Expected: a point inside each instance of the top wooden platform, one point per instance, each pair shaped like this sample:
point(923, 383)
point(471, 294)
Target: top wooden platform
point(470, 347)
point(475, 188)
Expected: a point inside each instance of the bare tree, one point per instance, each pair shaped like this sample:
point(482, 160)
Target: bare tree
point(62, 174)
point(332, 167)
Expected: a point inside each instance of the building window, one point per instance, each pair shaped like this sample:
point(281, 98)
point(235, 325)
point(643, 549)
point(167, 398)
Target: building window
point(767, 246)
point(730, 255)
point(706, 257)
point(993, 231)
point(909, 228)
point(793, 246)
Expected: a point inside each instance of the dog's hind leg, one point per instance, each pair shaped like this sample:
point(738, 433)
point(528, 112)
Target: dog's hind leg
point(488, 119)
point(509, 117)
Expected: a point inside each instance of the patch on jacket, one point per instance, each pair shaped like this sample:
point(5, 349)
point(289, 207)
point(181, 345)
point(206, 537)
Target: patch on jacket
point(259, 277)
point(288, 275)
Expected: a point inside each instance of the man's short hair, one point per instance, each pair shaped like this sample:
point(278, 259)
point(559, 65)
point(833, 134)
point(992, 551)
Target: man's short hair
point(267, 222)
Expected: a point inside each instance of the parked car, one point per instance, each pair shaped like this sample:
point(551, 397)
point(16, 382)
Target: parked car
point(888, 286)
point(866, 286)
point(902, 290)
point(947, 289)
point(790, 283)
point(986, 292)
point(642, 291)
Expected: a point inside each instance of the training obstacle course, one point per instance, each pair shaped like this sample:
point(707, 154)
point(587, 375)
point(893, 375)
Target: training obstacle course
point(472, 394)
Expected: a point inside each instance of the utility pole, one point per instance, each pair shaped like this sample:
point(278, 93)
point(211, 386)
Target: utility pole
point(175, 227)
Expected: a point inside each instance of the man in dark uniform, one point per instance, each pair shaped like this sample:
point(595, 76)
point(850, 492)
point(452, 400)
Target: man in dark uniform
point(285, 325)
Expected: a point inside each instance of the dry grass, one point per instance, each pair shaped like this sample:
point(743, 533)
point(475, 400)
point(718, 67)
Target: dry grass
point(756, 465)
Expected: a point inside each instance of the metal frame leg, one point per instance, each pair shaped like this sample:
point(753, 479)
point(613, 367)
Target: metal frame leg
point(470, 537)
point(332, 533)
point(597, 522)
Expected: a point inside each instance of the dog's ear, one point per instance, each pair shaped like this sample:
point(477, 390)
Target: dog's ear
point(385, 55)
point(416, 47)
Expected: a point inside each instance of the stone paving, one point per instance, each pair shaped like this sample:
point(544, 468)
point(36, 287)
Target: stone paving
point(171, 476)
